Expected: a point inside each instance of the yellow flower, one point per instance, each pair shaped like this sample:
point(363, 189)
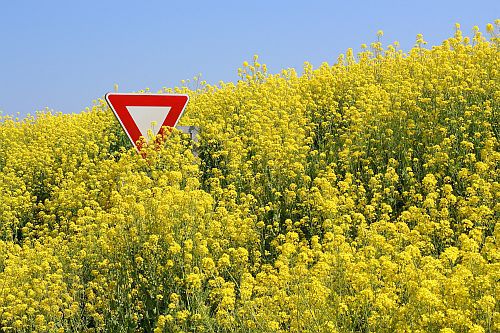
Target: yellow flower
point(490, 28)
point(356, 196)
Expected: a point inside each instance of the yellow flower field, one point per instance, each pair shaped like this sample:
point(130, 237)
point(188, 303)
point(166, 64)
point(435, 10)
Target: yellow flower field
point(362, 196)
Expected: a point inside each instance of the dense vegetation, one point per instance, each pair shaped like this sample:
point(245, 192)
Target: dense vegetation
point(362, 196)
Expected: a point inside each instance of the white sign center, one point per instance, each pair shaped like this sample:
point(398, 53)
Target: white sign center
point(144, 116)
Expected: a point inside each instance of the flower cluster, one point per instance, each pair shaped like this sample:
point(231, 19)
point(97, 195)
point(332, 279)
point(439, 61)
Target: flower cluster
point(358, 196)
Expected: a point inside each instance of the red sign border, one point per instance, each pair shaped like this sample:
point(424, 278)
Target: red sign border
point(118, 102)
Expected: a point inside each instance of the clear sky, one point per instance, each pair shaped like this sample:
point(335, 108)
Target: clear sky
point(64, 54)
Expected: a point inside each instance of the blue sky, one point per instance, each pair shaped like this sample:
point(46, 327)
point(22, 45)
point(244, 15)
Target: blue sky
point(64, 54)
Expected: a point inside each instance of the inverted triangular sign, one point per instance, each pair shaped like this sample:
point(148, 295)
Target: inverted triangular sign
point(140, 113)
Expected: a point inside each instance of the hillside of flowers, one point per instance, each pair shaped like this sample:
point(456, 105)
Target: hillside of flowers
point(362, 196)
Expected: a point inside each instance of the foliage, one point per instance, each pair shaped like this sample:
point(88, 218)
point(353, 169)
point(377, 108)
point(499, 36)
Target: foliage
point(361, 196)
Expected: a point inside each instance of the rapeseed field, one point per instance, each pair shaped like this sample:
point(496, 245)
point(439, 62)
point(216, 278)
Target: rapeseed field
point(362, 196)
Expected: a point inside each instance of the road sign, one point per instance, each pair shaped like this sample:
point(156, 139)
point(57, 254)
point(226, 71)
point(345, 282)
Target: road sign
point(144, 115)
